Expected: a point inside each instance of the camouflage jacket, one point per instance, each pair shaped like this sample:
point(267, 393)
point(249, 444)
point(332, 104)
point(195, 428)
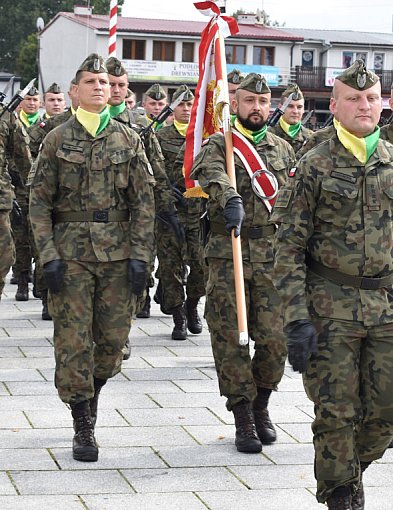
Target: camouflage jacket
point(15, 158)
point(38, 131)
point(340, 212)
point(75, 172)
point(210, 170)
point(163, 197)
point(315, 139)
point(296, 142)
point(386, 133)
point(171, 142)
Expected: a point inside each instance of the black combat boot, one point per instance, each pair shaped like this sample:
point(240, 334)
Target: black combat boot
point(98, 384)
point(194, 323)
point(22, 293)
point(180, 320)
point(127, 350)
point(246, 439)
point(265, 428)
point(159, 299)
point(45, 315)
point(358, 499)
point(340, 499)
point(84, 446)
point(36, 293)
point(144, 313)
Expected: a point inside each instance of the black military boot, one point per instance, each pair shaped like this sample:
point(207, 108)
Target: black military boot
point(194, 323)
point(159, 299)
point(36, 293)
point(358, 499)
point(45, 315)
point(144, 313)
point(22, 293)
point(265, 428)
point(98, 384)
point(246, 439)
point(180, 320)
point(127, 350)
point(84, 446)
point(340, 499)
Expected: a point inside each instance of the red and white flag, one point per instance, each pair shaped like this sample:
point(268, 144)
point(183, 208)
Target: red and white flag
point(209, 94)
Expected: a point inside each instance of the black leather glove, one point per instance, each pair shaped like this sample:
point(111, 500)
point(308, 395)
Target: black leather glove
point(302, 341)
point(171, 218)
point(16, 213)
point(54, 272)
point(180, 199)
point(137, 275)
point(234, 215)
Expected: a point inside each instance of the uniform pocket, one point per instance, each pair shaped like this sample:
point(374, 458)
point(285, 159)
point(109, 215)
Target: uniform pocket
point(336, 202)
point(120, 160)
point(72, 165)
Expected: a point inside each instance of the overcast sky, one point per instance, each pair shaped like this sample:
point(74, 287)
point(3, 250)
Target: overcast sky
point(365, 15)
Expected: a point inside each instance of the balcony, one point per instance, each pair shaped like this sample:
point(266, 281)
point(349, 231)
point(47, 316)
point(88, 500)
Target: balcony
point(321, 78)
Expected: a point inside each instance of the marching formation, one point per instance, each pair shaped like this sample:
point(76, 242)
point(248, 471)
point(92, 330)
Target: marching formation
point(94, 212)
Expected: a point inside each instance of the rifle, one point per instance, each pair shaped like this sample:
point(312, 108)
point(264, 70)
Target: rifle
point(278, 112)
point(328, 121)
point(163, 115)
point(3, 94)
point(17, 99)
point(307, 117)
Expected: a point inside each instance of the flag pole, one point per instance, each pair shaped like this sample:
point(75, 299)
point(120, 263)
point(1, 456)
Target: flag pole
point(112, 28)
point(236, 241)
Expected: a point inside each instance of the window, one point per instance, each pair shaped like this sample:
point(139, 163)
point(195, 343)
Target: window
point(133, 49)
point(307, 58)
point(263, 56)
point(379, 60)
point(188, 52)
point(235, 54)
point(347, 58)
point(164, 51)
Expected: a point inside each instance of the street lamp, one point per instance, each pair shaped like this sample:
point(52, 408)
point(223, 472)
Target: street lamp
point(40, 26)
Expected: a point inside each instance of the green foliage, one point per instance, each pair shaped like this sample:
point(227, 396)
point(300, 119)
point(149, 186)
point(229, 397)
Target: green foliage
point(26, 63)
point(18, 21)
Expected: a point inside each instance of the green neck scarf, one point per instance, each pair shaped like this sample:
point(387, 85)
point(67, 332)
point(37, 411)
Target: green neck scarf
point(117, 110)
point(290, 129)
point(361, 148)
point(94, 123)
point(254, 136)
point(29, 119)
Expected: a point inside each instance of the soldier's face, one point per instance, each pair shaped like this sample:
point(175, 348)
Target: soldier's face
point(153, 107)
point(182, 112)
point(130, 102)
point(93, 91)
point(294, 112)
point(358, 110)
point(232, 87)
point(119, 86)
point(251, 109)
point(31, 104)
point(54, 103)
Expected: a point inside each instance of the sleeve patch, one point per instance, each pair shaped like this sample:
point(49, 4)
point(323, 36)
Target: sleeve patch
point(283, 198)
point(292, 171)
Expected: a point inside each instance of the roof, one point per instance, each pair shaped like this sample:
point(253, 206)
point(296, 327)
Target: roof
point(343, 36)
point(175, 27)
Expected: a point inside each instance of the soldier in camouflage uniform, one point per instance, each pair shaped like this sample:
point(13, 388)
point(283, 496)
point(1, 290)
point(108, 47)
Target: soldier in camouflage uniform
point(289, 127)
point(234, 79)
point(92, 213)
point(163, 198)
point(334, 270)
point(130, 99)
point(315, 139)
point(247, 383)
point(173, 258)
point(387, 131)
point(54, 101)
point(154, 101)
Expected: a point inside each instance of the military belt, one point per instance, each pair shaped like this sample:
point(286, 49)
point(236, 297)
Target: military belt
point(246, 232)
point(95, 216)
point(359, 282)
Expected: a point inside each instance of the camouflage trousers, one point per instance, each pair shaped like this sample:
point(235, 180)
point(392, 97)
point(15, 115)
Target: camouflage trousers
point(350, 382)
point(7, 247)
point(23, 240)
point(238, 374)
point(92, 320)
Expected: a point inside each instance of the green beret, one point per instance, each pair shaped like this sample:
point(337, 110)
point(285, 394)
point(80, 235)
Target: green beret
point(358, 77)
point(183, 88)
point(293, 89)
point(93, 64)
point(54, 88)
point(156, 92)
point(33, 92)
point(115, 67)
point(255, 83)
point(235, 77)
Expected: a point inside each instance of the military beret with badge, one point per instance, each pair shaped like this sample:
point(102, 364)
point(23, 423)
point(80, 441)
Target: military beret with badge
point(188, 96)
point(235, 77)
point(94, 63)
point(255, 83)
point(115, 67)
point(358, 77)
point(156, 92)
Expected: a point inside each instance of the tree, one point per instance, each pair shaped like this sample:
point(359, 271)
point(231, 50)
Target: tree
point(18, 21)
point(26, 63)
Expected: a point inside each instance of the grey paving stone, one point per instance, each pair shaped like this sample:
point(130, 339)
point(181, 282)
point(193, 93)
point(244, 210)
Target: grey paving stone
point(378, 498)
point(11, 323)
point(127, 386)
point(290, 454)
point(174, 501)
point(187, 351)
point(41, 387)
point(162, 374)
point(25, 363)
point(143, 436)
point(182, 479)
point(283, 499)
point(37, 351)
point(33, 332)
point(25, 341)
point(25, 459)
point(6, 486)
point(10, 352)
point(25, 374)
point(278, 414)
point(16, 402)
point(188, 400)
point(109, 458)
point(150, 350)
point(45, 419)
point(36, 438)
point(301, 432)
point(41, 503)
point(207, 386)
point(276, 477)
point(3, 389)
point(13, 420)
point(70, 482)
point(126, 400)
point(169, 417)
point(178, 361)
